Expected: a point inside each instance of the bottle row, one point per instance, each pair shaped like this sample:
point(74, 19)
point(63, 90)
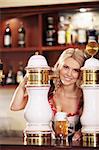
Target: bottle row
point(67, 34)
point(61, 34)
point(8, 36)
point(12, 78)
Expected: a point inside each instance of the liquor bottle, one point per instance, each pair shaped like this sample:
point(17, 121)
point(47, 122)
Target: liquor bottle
point(20, 73)
point(91, 33)
point(10, 79)
point(50, 38)
point(74, 36)
point(1, 73)
point(82, 36)
point(21, 35)
point(7, 36)
point(1, 70)
point(68, 28)
point(61, 31)
point(97, 33)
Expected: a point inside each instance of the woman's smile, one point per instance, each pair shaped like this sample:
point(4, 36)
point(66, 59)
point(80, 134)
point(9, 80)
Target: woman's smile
point(67, 78)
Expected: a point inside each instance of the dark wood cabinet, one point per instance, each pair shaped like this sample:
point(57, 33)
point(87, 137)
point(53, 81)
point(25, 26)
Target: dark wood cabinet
point(34, 20)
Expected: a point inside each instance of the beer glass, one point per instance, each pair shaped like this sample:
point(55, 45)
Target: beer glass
point(61, 125)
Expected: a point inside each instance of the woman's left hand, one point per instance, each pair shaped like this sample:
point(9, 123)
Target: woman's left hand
point(77, 136)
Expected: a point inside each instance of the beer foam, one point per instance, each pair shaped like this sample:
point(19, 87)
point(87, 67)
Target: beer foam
point(60, 116)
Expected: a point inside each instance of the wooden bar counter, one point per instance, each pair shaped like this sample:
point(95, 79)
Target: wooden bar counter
point(17, 143)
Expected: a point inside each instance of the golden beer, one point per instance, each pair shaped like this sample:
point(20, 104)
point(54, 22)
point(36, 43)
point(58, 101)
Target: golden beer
point(61, 129)
point(92, 48)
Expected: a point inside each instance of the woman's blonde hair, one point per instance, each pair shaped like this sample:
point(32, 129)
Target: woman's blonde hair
point(76, 54)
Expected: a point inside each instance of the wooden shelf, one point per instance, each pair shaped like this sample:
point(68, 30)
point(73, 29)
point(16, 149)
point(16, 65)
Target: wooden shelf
point(44, 48)
point(18, 49)
point(34, 19)
point(62, 47)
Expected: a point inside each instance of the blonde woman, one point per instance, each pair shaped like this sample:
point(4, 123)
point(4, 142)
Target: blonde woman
point(67, 95)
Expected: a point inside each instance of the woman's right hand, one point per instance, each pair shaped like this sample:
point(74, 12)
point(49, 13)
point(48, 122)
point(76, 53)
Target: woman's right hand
point(23, 82)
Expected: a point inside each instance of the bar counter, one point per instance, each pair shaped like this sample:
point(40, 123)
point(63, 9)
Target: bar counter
point(17, 143)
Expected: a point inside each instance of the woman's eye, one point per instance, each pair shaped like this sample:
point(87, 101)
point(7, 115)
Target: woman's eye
point(76, 70)
point(66, 67)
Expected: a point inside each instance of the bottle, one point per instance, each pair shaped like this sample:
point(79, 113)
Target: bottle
point(21, 35)
point(82, 36)
point(61, 31)
point(97, 36)
point(7, 36)
point(20, 73)
point(10, 79)
point(68, 30)
point(74, 36)
point(91, 33)
point(1, 72)
point(50, 38)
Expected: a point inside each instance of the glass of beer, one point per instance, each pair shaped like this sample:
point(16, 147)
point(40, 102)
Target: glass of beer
point(61, 125)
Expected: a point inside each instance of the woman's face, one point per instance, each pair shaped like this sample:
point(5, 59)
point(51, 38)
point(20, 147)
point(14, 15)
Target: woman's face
point(69, 72)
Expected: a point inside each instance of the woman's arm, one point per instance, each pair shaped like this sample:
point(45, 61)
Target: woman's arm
point(19, 99)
